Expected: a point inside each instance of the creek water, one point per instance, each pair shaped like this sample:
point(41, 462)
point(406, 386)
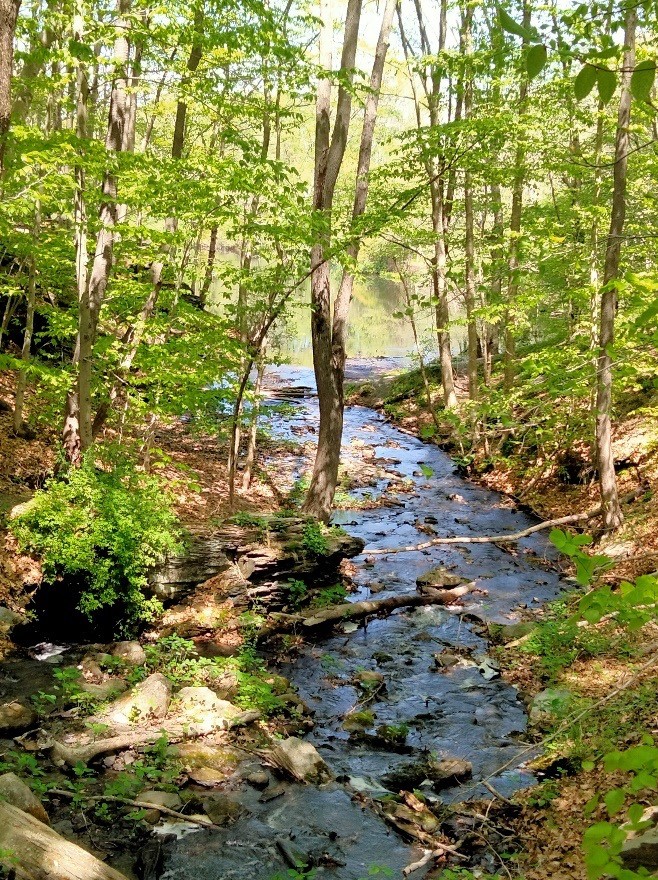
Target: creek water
point(466, 711)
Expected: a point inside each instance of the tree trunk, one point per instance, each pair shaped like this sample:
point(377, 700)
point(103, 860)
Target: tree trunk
point(21, 383)
point(329, 153)
point(516, 216)
point(8, 15)
point(469, 236)
point(612, 515)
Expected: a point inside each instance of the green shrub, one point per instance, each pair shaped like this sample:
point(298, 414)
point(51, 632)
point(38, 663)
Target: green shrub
point(104, 529)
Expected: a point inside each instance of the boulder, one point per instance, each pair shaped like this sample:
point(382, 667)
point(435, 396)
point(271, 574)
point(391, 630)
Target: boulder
point(9, 619)
point(442, 773)
point(301, 760)
point(547, 703)
point(105, 690)
point(131, 653)
point(641, 850)
point(16, 717)
point(147, 700)
point(208, 777)
point(203, 710)
point(15, 792)
point(222, 810)
point(439, 577)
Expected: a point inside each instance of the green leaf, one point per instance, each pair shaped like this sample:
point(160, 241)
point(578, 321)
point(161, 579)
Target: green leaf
point(512, 27)
point(642, 80)
point(536, 60)
point(635, 813)
point(606, 82)
point(614, 800)
point(584, 82)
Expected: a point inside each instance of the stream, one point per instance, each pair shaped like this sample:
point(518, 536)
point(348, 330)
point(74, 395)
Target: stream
point(466, 711)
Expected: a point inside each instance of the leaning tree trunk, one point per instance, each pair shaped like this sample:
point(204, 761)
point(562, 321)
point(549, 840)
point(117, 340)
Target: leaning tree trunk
point(78, 426)
point(325, 472)
point(612, 515)
point(8, 15)
point(329, 152)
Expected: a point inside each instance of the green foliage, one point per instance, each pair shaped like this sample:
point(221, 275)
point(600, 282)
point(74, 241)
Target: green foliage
point(104, 529)
point(329, 596)
point(313, 538)
point(297, 592)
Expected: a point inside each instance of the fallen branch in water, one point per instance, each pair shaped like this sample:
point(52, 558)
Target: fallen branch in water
point(127, 802)
point(358, 610)
point(491, 539)
point(509, 538)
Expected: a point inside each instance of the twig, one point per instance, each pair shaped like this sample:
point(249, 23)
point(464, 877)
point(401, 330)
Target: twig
point(143, 805)
point(440, 849)
point(496, 793)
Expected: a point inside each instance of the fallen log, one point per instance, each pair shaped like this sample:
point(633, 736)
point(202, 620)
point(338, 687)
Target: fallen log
point(358, 610)
point(73, 754)
point(34, 850)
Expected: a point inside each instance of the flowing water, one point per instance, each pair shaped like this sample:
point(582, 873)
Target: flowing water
point(466, 711)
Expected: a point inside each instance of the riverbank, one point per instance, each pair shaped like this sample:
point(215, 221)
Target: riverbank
point(589, 685)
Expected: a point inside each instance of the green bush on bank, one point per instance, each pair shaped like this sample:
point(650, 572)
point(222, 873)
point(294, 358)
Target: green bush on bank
point(104, 529)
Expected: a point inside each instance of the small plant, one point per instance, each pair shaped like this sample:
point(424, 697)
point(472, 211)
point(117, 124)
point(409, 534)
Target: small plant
point(297, 592)
point(329, 596)
point(313, 538)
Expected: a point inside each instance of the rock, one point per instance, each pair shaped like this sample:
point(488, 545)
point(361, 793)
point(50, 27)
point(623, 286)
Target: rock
point(147, 700)
point(194, 755)
point(439, 577)
point(106, 690)
point(271, 793)
point(222, 810)
point(376, 587)
point(369, 677)
point(16, 717)
point(442, 773)
point(641, 850)
point(9, 619)
point(259, 779)
point(446, 658)
point(18, 794)
point(157, 798)
point(131, 653)
point(301, 760)
point(207, 776)
point(547, 703)
point(510, 632)
point(226, 685)
point(381, 657)
point(203, 710)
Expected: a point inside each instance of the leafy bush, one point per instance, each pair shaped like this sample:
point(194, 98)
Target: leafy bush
point(103, 528)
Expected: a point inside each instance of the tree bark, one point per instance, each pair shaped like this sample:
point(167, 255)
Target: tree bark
point(329, 152)
point(612, 514)
point(8, 16)
point(21, 384)
point(469, 233)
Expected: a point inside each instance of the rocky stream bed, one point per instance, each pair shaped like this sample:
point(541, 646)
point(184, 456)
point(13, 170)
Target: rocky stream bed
point(406, 703)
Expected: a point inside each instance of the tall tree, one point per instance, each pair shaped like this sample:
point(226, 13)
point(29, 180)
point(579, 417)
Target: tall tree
point(612, 514)
point(330, 331)
point(8, 16)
